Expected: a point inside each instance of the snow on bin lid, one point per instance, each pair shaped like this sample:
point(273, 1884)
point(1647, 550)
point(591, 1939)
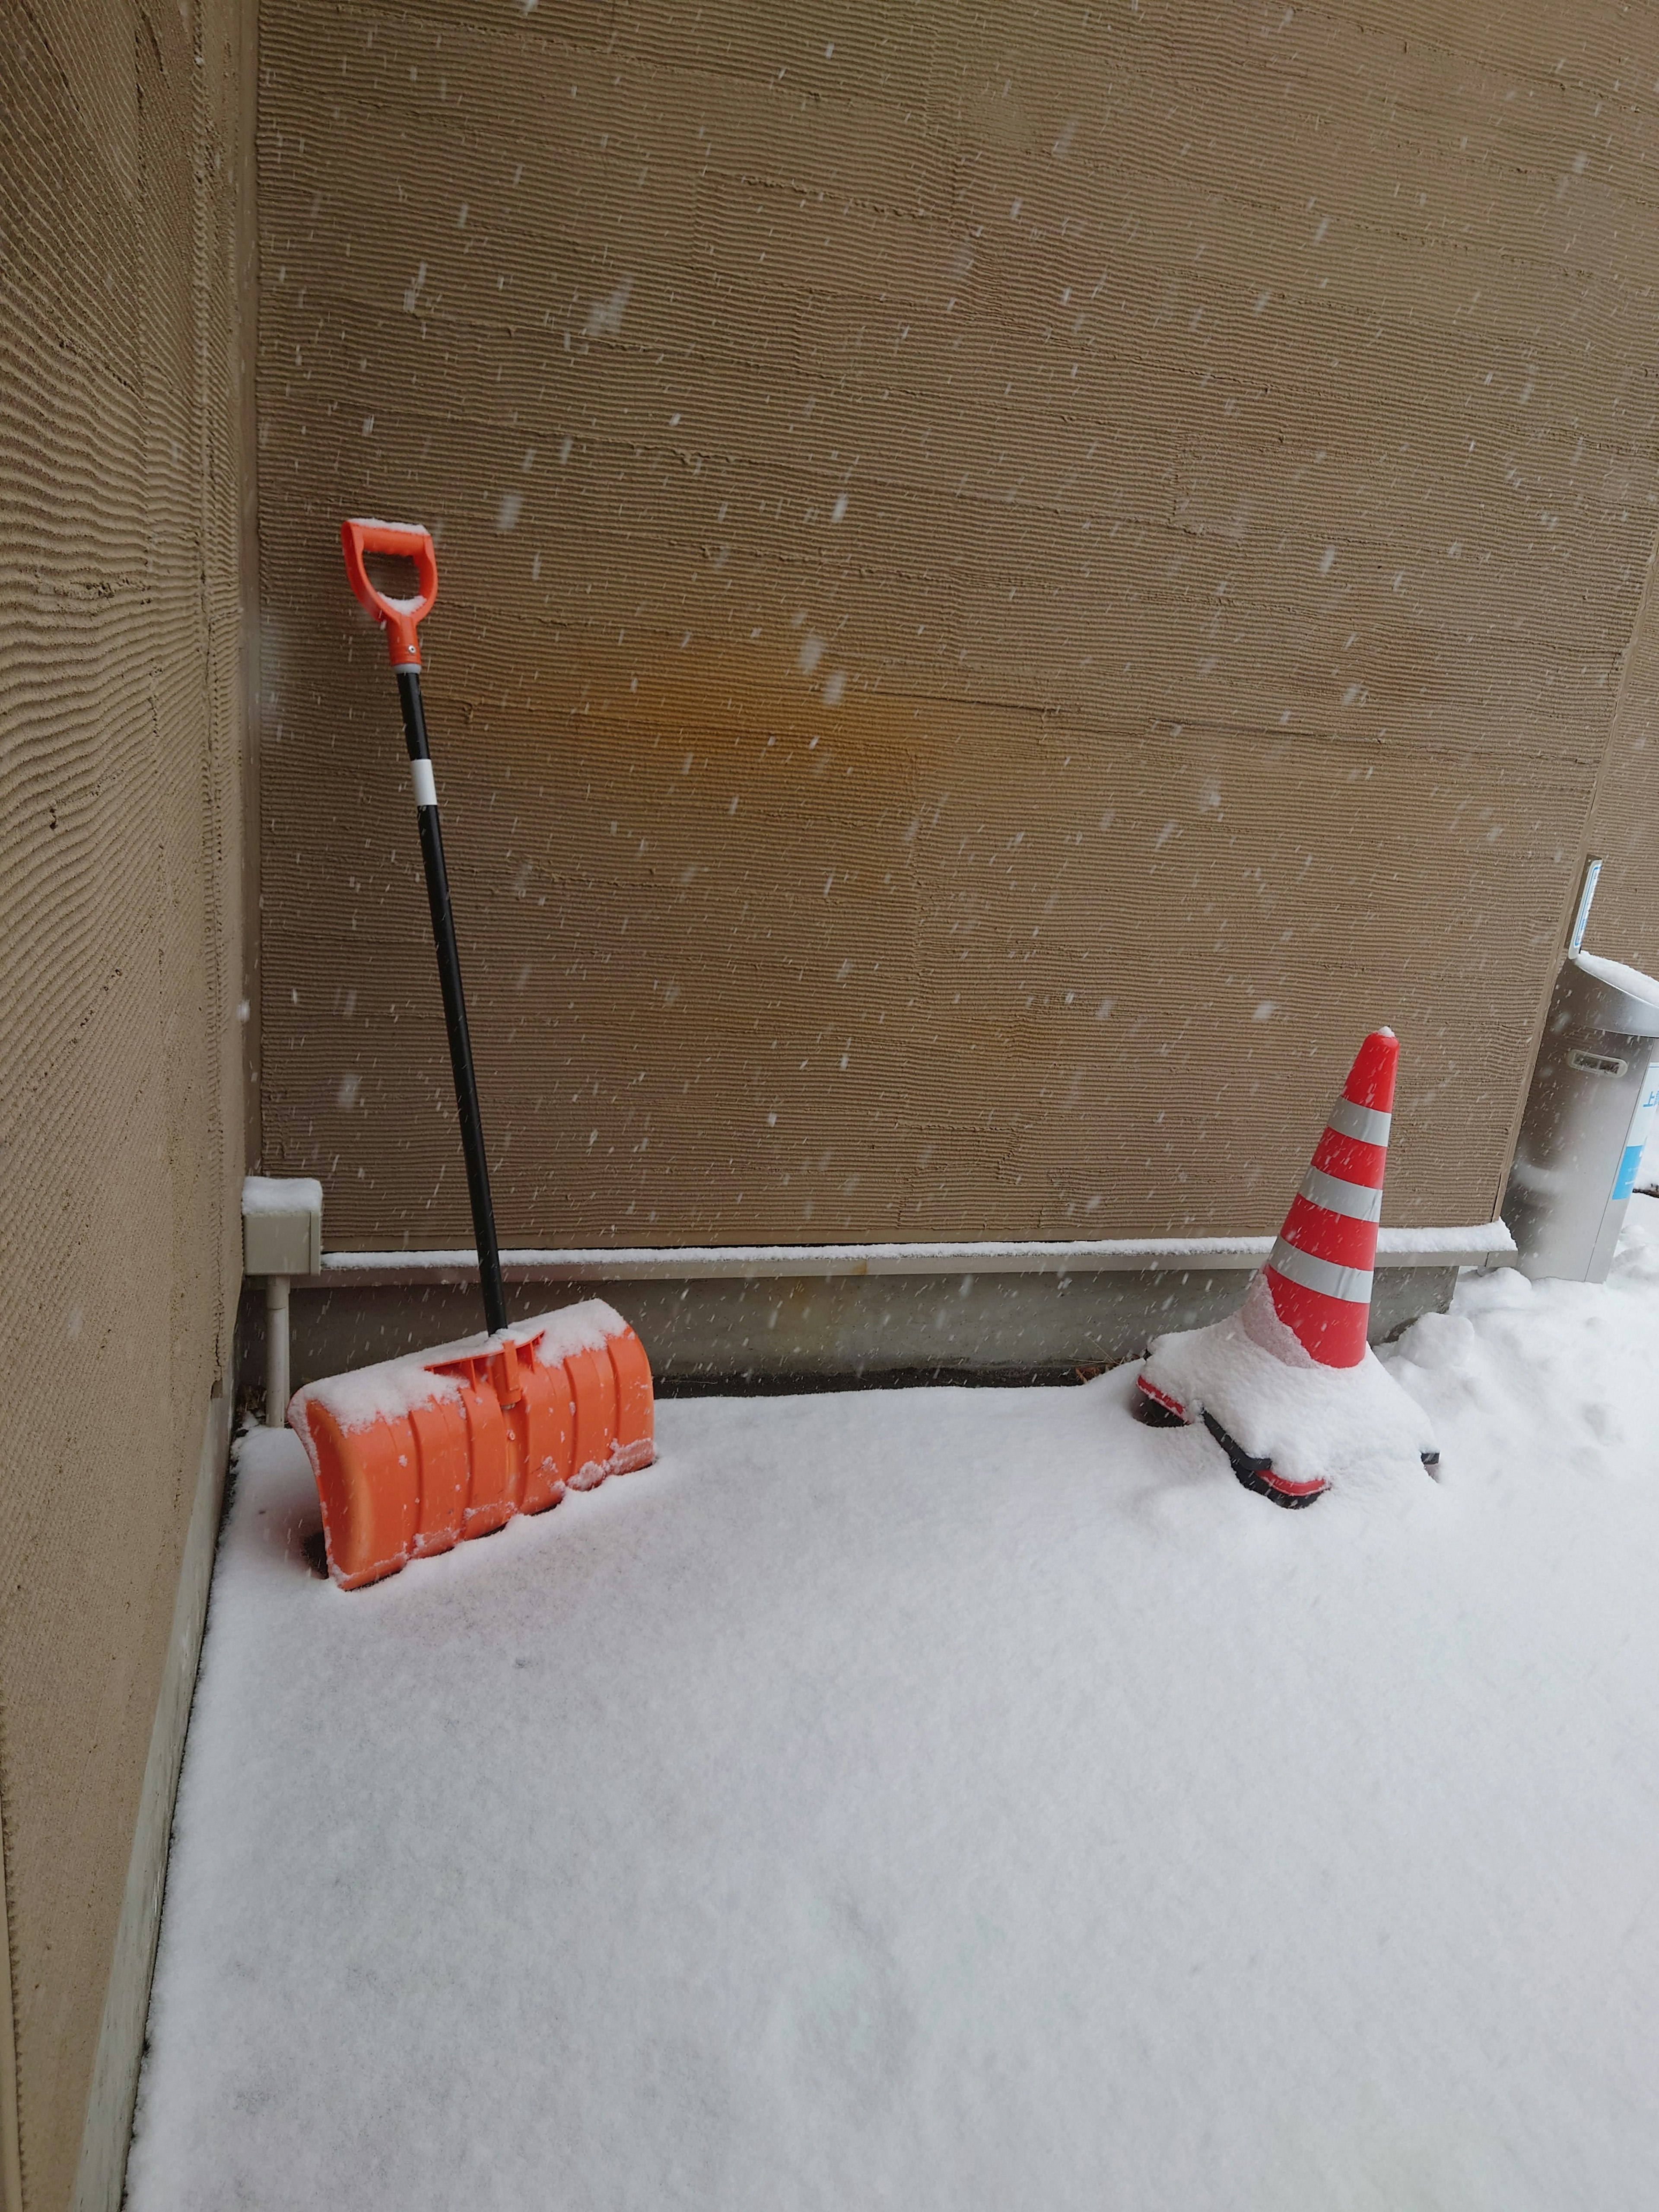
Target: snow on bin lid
point(1630, 982)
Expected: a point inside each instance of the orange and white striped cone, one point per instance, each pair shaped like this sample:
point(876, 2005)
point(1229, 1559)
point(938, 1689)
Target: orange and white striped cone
point(1288, 1386)
point(1319, 1273)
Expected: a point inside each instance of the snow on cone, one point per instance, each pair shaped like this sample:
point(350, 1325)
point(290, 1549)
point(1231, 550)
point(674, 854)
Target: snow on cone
point(1288, 1386)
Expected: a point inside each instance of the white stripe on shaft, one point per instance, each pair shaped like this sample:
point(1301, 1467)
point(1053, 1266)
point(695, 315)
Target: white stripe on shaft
point(1362, 1121)
point(1352, 1285)
point(1354, 1201)
point(426, 791)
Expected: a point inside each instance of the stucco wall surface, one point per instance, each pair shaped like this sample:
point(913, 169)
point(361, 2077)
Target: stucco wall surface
point(120, 844)
point(1013, 580)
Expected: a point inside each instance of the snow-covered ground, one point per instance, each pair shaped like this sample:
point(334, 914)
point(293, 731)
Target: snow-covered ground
point(952, 1799)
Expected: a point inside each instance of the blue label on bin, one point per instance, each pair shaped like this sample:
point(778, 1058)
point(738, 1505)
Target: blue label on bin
point(1641, 1129)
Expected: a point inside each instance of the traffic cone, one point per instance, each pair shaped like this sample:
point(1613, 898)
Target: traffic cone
point(1288, 1386)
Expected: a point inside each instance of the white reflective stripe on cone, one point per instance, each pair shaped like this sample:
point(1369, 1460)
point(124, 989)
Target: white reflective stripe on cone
point(1362, 1121)
point(1351, 1284)
point(1354, 1201)
point(425, 790)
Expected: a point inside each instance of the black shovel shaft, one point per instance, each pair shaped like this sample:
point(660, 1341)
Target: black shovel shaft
point(449, 975)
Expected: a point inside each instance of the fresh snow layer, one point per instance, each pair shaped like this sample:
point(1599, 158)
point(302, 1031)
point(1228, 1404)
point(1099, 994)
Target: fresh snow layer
point(282, 1194)
point(950, 1799)
point(1345, 1425)
point(1621, 977)
point(393, 1387)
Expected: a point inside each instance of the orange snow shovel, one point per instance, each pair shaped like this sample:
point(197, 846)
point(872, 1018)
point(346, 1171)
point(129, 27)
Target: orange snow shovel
point(417, 1454)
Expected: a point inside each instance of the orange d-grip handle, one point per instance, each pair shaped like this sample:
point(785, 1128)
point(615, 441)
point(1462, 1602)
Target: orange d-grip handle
point(402, 618)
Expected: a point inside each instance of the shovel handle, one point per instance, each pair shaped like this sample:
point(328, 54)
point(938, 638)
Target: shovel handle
point(402, 618)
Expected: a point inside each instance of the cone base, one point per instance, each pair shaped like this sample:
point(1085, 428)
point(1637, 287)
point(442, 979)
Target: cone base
point(1299, 1427)
point(1264, 1486)
point(1257, 1474)
point(1154, 1410)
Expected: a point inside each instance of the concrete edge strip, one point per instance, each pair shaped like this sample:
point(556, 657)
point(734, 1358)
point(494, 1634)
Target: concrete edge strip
point(100, 2175)
point(1484, 1244)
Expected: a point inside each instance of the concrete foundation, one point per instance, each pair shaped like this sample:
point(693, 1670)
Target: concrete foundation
point(775, 1332)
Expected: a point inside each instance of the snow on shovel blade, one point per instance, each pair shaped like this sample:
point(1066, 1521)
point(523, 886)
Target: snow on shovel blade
point(415, 1455)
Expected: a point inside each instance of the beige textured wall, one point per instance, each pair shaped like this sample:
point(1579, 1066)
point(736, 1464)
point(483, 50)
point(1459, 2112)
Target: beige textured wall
point(120, 1083)
point(1245, 421)
point(1623, 824)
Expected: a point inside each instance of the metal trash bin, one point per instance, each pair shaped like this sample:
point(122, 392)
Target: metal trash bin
point(1589, 1114)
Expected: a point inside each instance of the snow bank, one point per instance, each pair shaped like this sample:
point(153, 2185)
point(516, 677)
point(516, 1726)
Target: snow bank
point(951, 1799)
point(1553, 1381)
